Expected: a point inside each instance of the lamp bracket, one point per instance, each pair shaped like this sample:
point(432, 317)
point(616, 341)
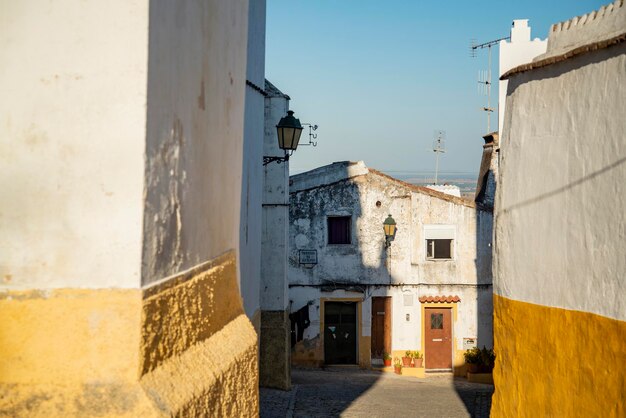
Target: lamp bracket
point(278, 160)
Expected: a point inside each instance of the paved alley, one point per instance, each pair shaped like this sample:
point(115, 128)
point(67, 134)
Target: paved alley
point(357, 393)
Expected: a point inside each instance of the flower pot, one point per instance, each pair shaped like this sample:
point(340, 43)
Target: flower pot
point(406, 361)
point(387, 362)
point(397, 370)
point(417, 362)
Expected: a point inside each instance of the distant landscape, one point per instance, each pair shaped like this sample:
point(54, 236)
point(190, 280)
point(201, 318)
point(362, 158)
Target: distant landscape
point(464, 180)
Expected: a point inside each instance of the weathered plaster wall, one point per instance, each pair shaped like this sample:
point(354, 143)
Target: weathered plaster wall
point(575, 203)
point(252, 176)
point(519, 50)
point(72, 130)
point(105, 352)
point(475, 306)
point(366, 261)
point(275, 360)
point(193, 173)
point(560, 227)
point(123, 110)
point(275, 208)
point(402, 269)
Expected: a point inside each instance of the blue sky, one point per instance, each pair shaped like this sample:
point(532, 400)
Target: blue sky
point(379, 77)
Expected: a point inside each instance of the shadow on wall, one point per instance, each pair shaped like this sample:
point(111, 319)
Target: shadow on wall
point(334, 330)
point(478, 403)
point(332, 220)
point(355, 272)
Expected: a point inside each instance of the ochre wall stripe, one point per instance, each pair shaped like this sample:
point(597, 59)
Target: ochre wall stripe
point(554, 362)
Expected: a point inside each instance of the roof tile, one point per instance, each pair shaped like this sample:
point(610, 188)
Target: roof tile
point(440, 299)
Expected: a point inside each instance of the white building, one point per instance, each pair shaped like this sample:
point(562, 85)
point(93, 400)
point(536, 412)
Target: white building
point(120, 174)
point(275, 360)
point(352, 298)
point(559, 263)
point(519, 50)
point(252, 169)
point(450, 189)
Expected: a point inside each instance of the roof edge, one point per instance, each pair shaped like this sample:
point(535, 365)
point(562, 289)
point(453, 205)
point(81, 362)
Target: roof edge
point(429, 192)
point(584, 49)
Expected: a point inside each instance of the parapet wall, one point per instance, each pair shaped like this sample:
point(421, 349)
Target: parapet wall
point(602, 24)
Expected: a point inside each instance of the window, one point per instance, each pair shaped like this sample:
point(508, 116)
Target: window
point(436, 321)
point(439, 248)
point(339, 229)
point(439, 241)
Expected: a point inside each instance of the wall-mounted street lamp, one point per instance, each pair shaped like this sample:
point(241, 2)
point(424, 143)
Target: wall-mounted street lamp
point(289, 130)
point(390, 230)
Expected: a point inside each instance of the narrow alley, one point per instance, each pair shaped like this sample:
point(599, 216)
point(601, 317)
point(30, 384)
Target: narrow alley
point(352, 392)
point(216, 208)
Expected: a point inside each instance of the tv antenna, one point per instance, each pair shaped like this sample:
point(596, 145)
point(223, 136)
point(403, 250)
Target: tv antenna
point(439, 147)
point(484, 76)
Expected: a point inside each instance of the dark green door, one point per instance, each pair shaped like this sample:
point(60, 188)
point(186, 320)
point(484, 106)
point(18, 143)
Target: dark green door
point(340, 332)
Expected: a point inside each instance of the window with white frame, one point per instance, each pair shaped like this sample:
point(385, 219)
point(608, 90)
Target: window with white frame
point(439, 241)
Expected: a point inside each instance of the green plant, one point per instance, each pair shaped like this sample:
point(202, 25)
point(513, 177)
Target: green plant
point(487, 358)
point(397, 363)
point(473, 356)
point(408, 353)
point(484, 359)
point(416, 354)
point(386, 356)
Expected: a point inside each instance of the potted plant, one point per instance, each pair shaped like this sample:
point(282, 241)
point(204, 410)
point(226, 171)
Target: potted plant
point(487, 359)
point(387, 359)
point(406, 359)
point(417, 358)
point(473, 359)
point(397, 366)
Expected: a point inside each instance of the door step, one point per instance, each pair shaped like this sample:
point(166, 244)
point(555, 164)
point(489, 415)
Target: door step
point(438, 370)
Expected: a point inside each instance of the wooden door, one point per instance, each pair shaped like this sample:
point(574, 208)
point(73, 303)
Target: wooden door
point(381, 326)
point(438, 335)
point(340, 332)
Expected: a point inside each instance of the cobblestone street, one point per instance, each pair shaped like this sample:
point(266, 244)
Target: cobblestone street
point(357, 393)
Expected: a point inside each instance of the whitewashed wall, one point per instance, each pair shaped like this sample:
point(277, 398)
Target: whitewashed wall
point(561, 225)
point(194, 142)
point(119, 124)
point(73, 77)
point(519, 50)
point(252, 176)
point(402, 269)
point(275, 210)
point(406, 334)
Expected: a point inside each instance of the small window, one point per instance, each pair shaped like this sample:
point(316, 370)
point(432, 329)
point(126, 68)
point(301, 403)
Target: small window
point(436, 321)
point(339, 229)
point(439, 249)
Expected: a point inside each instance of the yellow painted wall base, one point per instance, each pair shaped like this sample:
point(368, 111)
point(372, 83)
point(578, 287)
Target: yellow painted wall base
point(406, 371)
point(106, 352)
point(555, 362)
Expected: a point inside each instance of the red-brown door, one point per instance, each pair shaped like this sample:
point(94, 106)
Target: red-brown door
point(438, 334)
point(381, 326)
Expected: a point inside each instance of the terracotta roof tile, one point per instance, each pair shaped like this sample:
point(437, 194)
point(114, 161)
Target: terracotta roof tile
point(442, 299)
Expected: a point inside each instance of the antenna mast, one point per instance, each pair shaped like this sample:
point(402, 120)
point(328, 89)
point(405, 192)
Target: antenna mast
point(439, 146)
point(484, 77)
